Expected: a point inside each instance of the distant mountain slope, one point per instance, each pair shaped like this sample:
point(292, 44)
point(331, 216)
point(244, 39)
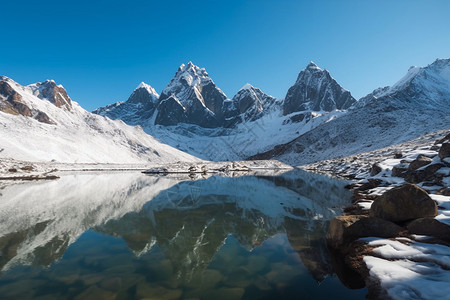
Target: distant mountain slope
point(418, 104)
point(40, 122)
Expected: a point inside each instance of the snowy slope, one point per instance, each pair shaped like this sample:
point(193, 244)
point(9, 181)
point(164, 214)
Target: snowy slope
point(418, 104)
point(70, 133)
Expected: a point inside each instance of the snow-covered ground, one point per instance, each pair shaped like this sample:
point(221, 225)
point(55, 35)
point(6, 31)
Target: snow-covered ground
point(246, 139)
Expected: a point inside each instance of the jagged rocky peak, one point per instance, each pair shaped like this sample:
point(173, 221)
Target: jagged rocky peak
point(49, 90)
point(201, 99)
point(316, 90)
point(144, 94)
point(251, 98)
point(139, 107)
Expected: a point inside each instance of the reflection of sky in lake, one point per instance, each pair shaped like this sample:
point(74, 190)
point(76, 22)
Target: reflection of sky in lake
point(131, 236)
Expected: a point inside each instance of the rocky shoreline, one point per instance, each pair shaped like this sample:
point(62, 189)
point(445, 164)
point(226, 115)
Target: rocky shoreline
point(400, 213)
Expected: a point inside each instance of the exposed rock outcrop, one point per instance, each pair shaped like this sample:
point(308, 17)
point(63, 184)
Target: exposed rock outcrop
point(404, 203)
point(346, 229)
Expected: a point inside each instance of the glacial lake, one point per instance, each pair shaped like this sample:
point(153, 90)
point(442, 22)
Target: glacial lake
point(133, 236)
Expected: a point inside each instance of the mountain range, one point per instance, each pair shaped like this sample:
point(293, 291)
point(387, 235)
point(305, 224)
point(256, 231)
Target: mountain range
point(317, 119)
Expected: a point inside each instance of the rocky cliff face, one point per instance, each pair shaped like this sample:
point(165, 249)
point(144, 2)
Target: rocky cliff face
point(316, 90)
point(201, 100)
point(49, 90)
point(11, 102)
point(249, 104)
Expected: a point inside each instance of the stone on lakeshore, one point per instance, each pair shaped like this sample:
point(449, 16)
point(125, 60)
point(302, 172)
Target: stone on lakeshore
point(345, 229)
point(403, 203)
point(430, 226)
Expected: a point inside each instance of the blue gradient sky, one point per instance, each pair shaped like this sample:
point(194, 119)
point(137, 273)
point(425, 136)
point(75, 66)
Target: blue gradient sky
point(101, 50)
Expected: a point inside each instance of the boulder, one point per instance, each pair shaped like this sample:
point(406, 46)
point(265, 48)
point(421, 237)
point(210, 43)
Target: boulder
point(370, 184)
point(345, 229)
point(376, 168)
point(430, 226)
point(399, 170)
point(443, 140)
point(426, 174)
point(398, 155)
point(404, 203)
point(419, 162)
point(444, 151)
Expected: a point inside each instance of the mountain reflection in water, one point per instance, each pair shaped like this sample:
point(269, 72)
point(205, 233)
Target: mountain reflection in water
point(132, 236)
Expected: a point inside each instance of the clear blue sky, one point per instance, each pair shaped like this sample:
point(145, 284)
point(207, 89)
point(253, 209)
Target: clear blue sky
point(101, 50)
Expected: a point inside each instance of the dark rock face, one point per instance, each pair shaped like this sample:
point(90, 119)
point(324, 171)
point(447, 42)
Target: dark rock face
point(54, 93)
point(315, 89)
point(170, 112)
point(345, 229)
point(444, 152)
point(419, 162)
point(403, 203)
point(201, 100)
point(143, 97)
point(250, 104)
point(375, 169)
point(430, 226)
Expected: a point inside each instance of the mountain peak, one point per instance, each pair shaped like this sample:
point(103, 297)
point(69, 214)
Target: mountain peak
point(316, 90)
point(148, 88)
point(312, 66)
point(246, 86)
point(52, 92)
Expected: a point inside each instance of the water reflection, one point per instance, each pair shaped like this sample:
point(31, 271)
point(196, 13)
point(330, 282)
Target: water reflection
point(131, 236)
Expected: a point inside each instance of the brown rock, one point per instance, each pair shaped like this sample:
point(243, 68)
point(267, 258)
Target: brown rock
point(444, 191)
point(345, 229)
point(430, 226)
point(399, 170)
point(444, 151)
point(376, 168)
point(404, 203)
point(419, 162)
point(427, 174)
point(370, 184)
point(398, 155)
point(443, 140)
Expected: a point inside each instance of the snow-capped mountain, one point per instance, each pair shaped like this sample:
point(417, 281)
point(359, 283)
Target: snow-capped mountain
point(316, 90)
point(40, 122)
point(191, 97)
point(249, 104)
point(138, 109)
point(417, 104)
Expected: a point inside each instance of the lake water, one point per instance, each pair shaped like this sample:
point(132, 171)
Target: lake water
point(134, 236)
